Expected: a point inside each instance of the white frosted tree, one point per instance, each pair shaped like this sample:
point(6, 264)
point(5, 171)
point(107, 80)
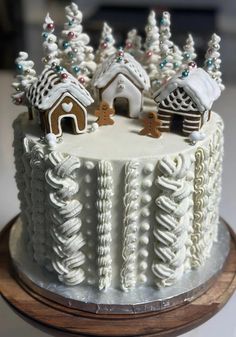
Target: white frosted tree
point(26, 76)
point(77, 55)
point(106, 44)
point(166, 49)
point(152, 43)
point(50, 46)
point(177, 58)
point(213, 60)
point(133, 44)
point(189, 54)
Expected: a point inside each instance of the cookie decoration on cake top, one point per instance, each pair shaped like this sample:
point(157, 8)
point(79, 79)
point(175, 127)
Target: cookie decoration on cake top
point(135, 81)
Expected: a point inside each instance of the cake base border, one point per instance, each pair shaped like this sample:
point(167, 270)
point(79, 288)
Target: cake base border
point(55, 318)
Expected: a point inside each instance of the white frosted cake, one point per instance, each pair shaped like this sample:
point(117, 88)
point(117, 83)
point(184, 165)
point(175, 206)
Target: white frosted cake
point(115, 206)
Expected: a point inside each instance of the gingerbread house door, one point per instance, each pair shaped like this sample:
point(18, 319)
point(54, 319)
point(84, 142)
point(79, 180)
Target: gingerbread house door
point(123, 89)
point(66, 107)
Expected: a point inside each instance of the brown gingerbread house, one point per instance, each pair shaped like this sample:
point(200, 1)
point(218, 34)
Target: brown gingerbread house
point(58, 95)
point(121, 81)
point(184, 103)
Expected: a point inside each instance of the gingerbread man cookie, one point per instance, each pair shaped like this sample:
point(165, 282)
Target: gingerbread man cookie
point(104, 113)
point(151, 124)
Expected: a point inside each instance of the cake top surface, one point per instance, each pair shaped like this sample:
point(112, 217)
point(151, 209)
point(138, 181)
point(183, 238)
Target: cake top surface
point(120, 141)
point(125, 64)
point(198, 85)
point(50, 86)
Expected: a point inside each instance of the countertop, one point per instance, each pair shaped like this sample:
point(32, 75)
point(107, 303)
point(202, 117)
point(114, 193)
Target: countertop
point(223, 323)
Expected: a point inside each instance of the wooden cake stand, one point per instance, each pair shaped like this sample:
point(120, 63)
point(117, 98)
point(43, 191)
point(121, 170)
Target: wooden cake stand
point(59, 320)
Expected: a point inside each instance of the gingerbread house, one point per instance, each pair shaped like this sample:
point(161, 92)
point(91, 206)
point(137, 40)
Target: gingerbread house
point(57, 96)
point(120, 81)
point(185, 101)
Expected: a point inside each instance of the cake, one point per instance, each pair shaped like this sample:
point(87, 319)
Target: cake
point(127, 195)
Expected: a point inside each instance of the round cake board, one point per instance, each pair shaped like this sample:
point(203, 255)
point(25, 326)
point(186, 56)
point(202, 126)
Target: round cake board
point(59, 320)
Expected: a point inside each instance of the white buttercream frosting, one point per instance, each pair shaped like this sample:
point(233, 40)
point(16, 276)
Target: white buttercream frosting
point(64, 209)
point(173, 217)
point(104, 205)
point(130, 223)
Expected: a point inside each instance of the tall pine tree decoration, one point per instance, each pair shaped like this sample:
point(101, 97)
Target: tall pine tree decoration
point(51, 50)
point(189, 54)
point(133, 44)
point(166, 64)
point(213, 60)
point(77, 56)
point(177, 58)
point(106, 44)
point(26, 76)
point(151, 44)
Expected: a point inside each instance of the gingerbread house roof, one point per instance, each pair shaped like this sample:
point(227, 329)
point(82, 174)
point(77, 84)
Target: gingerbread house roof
point(49, 87)
point(202, 89)
point(126, 65)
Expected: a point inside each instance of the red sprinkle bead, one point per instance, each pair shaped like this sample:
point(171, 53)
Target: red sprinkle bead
point(81, 80)
point(128, 45)
point(192, 65)
point(149, 53)
point(18, 100)
point(64, 76)
point(121, 53)
point(104, 45)
point(50, 26)
point(70, 35)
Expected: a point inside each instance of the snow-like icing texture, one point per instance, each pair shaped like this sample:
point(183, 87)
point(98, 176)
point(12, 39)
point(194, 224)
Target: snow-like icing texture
point(189, 54)
point(131, 204)
point(198, 85)
point(173, 216)
point(49, 87)
point(127, 66)
point(64, 209)
point(104, 205)
point(152, 43)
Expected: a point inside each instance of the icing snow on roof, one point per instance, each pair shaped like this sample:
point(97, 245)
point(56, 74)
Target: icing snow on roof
point(199, 85)
point(49, 87)
point(127, 66)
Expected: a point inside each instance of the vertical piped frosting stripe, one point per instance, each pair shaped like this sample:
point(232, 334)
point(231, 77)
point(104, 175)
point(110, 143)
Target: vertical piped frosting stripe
point(128, 271)
point(199, 235)
point(67, 239)
point(172, 219)
point(38, 203)
point(104, 206)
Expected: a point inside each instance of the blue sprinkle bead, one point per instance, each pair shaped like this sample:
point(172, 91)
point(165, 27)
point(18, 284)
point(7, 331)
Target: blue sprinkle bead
point(19, 68)
point(45, 35)
point(209, 62)
point(76, 69)
point(65, 44)
point(185, 73)
point(59, 68)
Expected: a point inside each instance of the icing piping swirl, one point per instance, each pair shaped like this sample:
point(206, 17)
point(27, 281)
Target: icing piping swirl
point(172, 217)
point(104, 205)
point(128, 271)
point(67, 239)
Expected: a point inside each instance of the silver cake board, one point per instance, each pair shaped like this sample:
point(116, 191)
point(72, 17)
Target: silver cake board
point(114, 301)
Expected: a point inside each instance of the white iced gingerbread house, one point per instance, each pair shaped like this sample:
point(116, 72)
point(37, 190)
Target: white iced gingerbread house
point(57, 95)
point(121, 80)
point(185, 101)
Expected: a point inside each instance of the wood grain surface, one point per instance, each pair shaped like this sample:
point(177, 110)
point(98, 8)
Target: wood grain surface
point(57, 320)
